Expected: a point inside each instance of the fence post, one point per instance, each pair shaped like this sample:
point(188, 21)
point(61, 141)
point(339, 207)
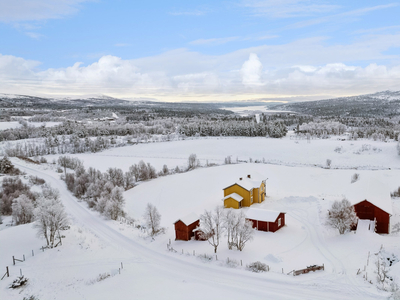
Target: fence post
point(282, 270)
point(122, 266)
point(20, 271)
point(216, 257)
point(23, 256)
point(241, 263)
point(194, 253)
point(13, 260)
point(33, 254)
point(119, 270)
point(8, 273)
point(182, 251)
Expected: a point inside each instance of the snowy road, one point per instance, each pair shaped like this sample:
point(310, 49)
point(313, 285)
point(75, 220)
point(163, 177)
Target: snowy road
point(158, 275)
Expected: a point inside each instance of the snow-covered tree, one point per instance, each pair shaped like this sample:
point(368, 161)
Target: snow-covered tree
point(114, 206)
point(152, 218)
point(192, 161)
point(50, 216)
point(5, 165)
point(22, 210)
point(239, 230)
point(342, 216)
point(211, 226)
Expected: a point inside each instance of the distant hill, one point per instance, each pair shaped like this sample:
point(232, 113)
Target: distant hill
point(381, 104)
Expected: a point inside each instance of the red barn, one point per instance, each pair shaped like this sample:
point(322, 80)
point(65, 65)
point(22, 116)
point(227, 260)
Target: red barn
point(266, 220)
point(371, 200)
point(184, 227)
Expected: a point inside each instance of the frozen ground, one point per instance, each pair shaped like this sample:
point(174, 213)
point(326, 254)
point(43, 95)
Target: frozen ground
point(360, 154)
point(94, 245)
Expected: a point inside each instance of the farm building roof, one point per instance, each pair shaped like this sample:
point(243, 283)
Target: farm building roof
point(188, 219)
point(262, 214)
point(234, 196)
point(371, 190)
point(248, 183)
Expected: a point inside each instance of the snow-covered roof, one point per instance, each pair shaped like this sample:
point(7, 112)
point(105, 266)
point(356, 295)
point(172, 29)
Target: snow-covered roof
point(189, 219)
point(371, 190)
point(234, 196)
point(249, 183)
point(262, 214)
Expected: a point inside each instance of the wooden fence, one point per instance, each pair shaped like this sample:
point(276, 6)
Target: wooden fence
point(307, 270)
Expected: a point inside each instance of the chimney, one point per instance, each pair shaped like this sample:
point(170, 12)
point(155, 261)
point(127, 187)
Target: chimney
point(248, 176)
point(240, 178)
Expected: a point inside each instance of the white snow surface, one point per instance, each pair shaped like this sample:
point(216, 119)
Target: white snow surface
point(16, 124)
point(286, 151)
point(262, 214)
point(296, 185)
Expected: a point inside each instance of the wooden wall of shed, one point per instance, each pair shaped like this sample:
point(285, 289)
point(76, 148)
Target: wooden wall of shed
point(367, 211)
point(183, 232)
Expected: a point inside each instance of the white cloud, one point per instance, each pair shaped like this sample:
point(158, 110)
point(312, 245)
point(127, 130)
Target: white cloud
point(214, 41)
point(305, 67)
point(35, 10)
point(287, 8)
point(251, 71)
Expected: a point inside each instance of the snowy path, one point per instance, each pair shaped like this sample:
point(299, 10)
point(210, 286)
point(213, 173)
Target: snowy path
point(175, 278)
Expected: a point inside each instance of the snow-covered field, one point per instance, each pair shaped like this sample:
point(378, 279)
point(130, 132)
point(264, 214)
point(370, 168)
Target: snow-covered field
point(360, 154)
point(15, 124)
point(297, 184)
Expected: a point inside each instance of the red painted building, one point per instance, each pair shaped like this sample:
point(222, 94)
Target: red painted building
point(266, 220)
point(368, 211)
point(184, 227)
point(371, 200)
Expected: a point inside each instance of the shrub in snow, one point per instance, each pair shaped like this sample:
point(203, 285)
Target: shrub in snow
point(328, 163)
point(342, 216)
point(31, 297)
point(257, 267)
point(396, 193)
point(355, 177)
point(6, 166)
point(231, 263)
point(205, 257)
point(395, 228)
point(211, 226)
point(22, 210)
point(152, 218)
point(20, 281)
point(193, 162)
point(50, 216)
point(12, 188)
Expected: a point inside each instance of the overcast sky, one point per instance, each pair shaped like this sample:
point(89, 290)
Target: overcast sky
point(199, 50)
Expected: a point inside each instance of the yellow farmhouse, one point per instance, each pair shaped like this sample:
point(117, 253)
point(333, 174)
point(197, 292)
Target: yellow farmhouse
point(244, 193)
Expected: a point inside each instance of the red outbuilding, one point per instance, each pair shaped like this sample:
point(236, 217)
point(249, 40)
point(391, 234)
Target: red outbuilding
point(184, 227)
point(371, 200)
point(266, 220)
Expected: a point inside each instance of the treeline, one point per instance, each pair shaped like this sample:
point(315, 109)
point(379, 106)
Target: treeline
point(233, 128)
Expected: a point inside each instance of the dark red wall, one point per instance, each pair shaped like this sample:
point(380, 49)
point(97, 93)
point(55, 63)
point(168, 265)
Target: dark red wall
point(183, 232)
point(269, 226)
point(367, 211)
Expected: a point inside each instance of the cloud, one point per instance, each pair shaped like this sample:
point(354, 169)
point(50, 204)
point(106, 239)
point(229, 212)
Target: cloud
point(251, 71)
point(287, 8)
point(36, 10)
point(34, 35)
point(307, 67)
point(345, 15)
point(214, 41)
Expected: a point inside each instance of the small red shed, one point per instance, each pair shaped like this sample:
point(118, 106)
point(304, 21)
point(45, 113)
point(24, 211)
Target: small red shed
point(371, 200)
point(184, 227)
point(266, 220)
